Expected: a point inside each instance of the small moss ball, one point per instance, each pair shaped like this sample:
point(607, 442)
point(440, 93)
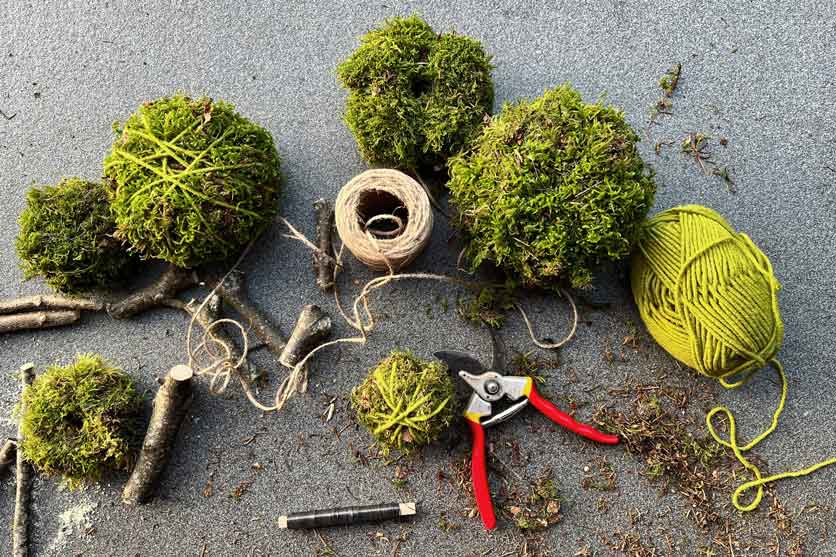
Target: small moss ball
point(191, 180)
point(67, 236)
point(81, 421)
point(551, 189)
point(415, 97)
point(405, 403)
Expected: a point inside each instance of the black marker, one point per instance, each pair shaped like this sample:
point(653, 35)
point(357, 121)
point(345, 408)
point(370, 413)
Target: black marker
point(347, 515)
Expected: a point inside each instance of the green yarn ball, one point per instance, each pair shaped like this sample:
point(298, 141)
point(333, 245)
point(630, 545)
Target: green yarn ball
point(415, 97)
point(405, 403)
point(706, 293)
point(67, 237)
point(81, 421)
point(191, 180)
point(552, 188)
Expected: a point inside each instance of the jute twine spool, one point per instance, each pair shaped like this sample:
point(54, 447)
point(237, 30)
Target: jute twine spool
point(384, 218)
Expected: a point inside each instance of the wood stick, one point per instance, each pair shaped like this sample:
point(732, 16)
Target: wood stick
point(27, 303)
point(37, 320)
point(172, 402)
point(7, 456)
point(169, 284)
point(323, 262)
point(24, 473)
point(312, 327)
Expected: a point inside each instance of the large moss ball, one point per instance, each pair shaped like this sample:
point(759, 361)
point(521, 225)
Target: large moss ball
point(415, 97)
point(67, 236)
point(192, 181)
point(405, 403)
point(551, 189)
point(81, 421)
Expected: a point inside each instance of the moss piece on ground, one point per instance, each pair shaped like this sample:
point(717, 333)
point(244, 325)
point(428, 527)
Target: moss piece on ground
point(405, 403)
point(552, 188)
point(415, 97)
point(192, 181)
point(67, 236)
point(81, 421)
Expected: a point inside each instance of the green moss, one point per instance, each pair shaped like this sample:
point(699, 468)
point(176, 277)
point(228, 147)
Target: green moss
point(405, 403)
point(415, 97)
point(192, 181)
point(489, 305)
point(66, 236)
point(551, 189)
point(81, 421)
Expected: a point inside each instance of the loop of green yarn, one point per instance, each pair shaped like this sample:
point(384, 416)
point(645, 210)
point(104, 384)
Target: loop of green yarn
point(708, 296)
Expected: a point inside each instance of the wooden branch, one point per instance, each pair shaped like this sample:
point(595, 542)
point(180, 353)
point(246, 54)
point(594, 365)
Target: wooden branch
point(323, 262)
point(24, 473)
point(234, 292)
point(37, 320)
point(171, 282)
point(8, 454)
point(47, 302)
point(170, 406)
point(312, 327)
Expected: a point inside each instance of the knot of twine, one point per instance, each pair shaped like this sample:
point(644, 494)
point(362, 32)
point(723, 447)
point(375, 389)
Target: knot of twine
point(708, 296)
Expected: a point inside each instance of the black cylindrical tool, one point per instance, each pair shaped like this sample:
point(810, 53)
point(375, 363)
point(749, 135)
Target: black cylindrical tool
point(347, 515)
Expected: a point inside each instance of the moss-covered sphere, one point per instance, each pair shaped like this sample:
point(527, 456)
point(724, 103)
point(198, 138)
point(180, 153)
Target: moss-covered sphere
point(551, 189)
point(67, 236)
point(405, 403)
point(415, 97)
point(81, 421)
point(191, 180)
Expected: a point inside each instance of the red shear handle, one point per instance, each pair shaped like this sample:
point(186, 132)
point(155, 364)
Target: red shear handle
point(479, 470)
point(561, 418)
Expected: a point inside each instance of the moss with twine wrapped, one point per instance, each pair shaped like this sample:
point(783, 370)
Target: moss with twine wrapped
point(405, 403)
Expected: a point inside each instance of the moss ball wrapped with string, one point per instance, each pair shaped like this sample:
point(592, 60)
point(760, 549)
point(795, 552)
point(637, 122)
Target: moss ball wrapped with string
point(191, 180)
point(553, 188)
point(81, 421)
point(405, 403)
point(67, 237)
point(415, 97)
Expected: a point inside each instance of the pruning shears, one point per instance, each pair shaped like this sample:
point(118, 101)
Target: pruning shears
point(490, 386)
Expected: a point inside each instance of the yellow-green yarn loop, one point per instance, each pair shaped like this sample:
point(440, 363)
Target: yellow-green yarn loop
point(708, 296)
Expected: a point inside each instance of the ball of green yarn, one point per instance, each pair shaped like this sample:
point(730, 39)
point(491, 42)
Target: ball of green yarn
point(551, 189)
point(192, 181)
point(405, 402)
point(67, 236)
point(81, 421)
point(706, 293)
point(415, 97)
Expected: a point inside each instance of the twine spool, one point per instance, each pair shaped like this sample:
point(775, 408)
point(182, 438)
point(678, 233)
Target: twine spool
point(384, 218)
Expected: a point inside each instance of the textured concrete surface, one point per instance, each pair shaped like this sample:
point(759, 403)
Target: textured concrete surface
point(759, 73)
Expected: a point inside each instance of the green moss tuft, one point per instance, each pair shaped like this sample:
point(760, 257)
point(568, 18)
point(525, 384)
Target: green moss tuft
point(81, 421)
point(405, 403)
point(66, 236)
point(192, 181)
point(415, 97)
point(551, 189)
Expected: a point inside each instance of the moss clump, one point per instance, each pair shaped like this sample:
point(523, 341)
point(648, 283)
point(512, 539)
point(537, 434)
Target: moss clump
point(81, 421)
point(405, 403)
point(192, 181)
point(415, 97)
point(551, 189)
point(66, 236)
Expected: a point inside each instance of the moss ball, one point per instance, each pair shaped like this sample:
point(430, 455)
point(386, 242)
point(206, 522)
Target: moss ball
point(405, 403)
point(67, 237)
point(81, 421)
point(552, 188)
point(192, 181)
point(415, 97)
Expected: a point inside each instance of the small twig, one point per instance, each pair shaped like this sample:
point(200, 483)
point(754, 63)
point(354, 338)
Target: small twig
point(6, 116)
point(312, 327)
point(8, 454)
point(47, 302)
point(323, 262)
point(37, 320)
point(24, 473)
point(169, 284)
